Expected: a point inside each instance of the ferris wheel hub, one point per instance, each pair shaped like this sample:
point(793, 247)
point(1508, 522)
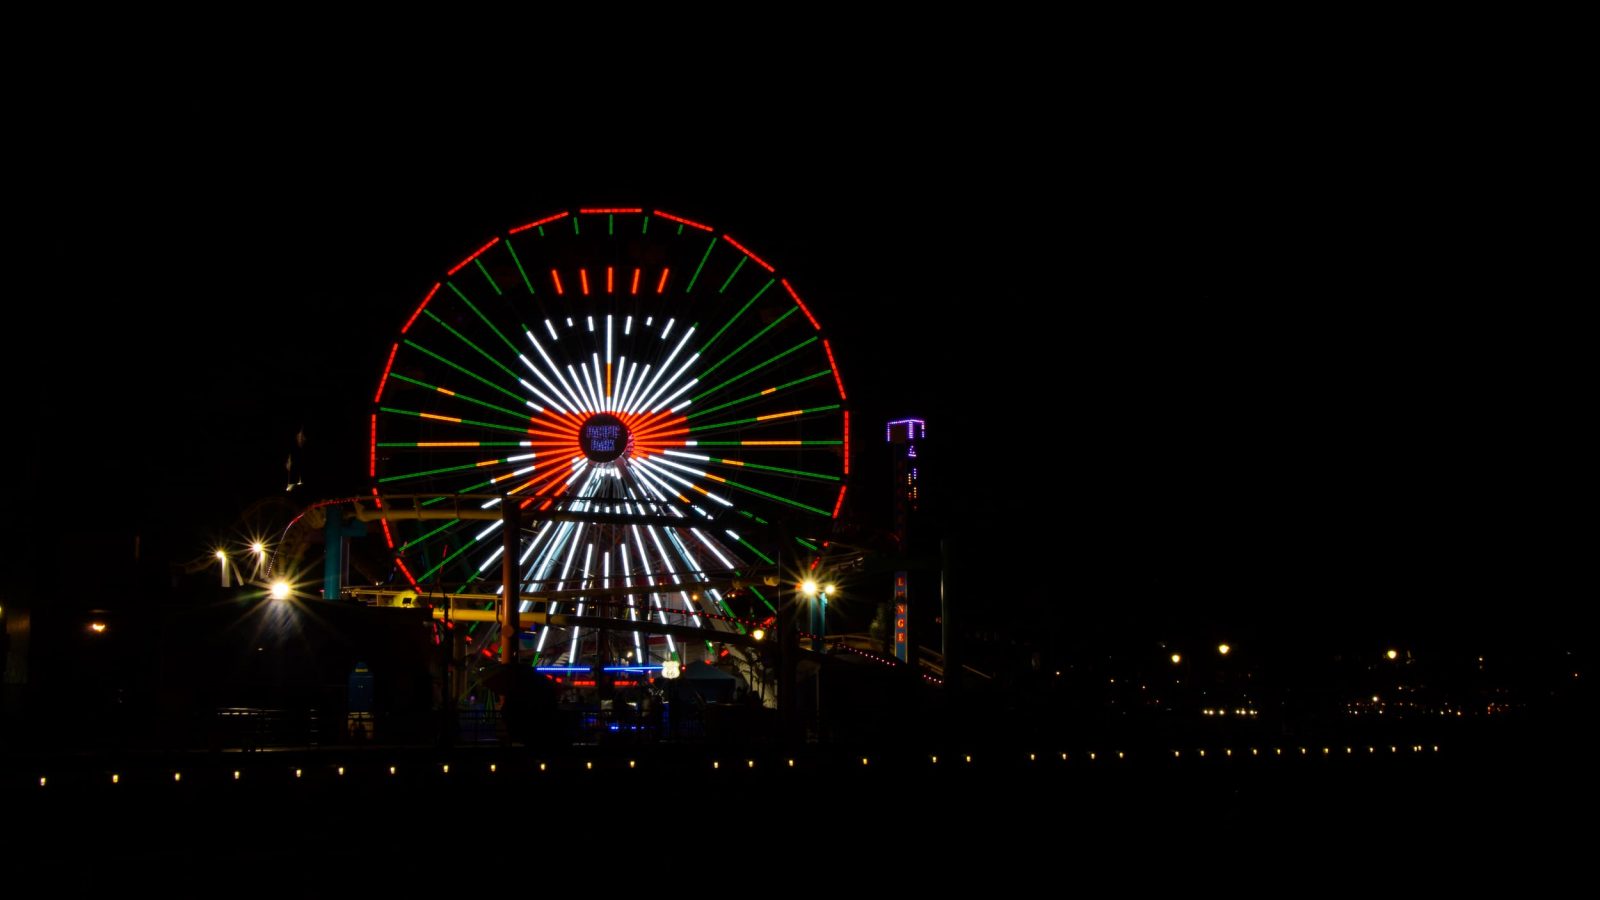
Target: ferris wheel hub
point(604, 437)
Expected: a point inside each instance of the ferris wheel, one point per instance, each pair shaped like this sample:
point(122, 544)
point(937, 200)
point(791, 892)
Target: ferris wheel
point(652, 395)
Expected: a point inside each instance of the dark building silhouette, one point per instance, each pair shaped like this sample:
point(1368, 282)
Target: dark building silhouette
point(904, 437)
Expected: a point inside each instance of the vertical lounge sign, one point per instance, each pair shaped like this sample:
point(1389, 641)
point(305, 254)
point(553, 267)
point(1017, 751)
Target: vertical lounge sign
point(901, 613)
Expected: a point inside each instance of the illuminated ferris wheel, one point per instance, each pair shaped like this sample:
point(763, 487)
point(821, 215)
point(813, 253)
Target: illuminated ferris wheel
point(650, 393)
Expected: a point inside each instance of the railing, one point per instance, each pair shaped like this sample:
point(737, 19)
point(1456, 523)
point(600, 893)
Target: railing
point(256, 728)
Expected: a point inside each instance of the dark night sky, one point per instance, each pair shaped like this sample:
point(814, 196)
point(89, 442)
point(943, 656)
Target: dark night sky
point(1175, 356)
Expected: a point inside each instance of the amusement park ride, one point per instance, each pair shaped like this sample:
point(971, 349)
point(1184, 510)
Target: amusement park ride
point(609, 437)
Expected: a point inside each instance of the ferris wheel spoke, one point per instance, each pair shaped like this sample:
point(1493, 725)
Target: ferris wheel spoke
point(633, 613)
point(524, 581)
point(634, 388)
point(816, 443)
point(649, 577)
point(710, 599)
point(549, 404)
point(651, 391)
point(662, 492)
point(451, 445)
point(696, 276)
point(567, 397)
point(755, 368)
point(574, 539)
point(479, 313)
point(544, 482)
point(667, 402)
point(743, 487)
point(732, 275)
point(749, 546)
point(765, 392)
point(656, 434)
point(672, 573)
point(585, 584)
point(493, 360)
point(769, 495)
point(584, 394)
point(462, 397)
point(423, 537)
point(567, 390)
point(466, 371)
point(447, 560)
point(648, 465)
point(461, 468)
point(653, 500)
point(517, 261)
point(750, 340)
point(735, 317)
point(745, 464)
point(624, 370)
point(753, 420)
point(453, 420)
point(536, 573)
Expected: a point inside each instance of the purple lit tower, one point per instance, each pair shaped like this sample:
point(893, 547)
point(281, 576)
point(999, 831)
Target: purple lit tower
point(904, 436)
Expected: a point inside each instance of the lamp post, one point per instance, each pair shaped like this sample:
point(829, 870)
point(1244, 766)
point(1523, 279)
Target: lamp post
point(818, 595)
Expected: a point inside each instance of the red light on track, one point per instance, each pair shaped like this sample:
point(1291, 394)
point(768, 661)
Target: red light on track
point(424, 303)
point(475, 254)
point(583, 276)
point(385, 379)
point(801, 303)
point(609, 280)
point(635, 282)
point(544, 221)
point(840, 502)
point(372, 464)
point(683, 221)
point(590, 212)
point(759, 261)
point(835, 366)
point(846, 448)
point(661, 286)
point(556, 277)
point(409, 577)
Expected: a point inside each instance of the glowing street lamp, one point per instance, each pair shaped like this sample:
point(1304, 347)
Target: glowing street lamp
point(1392, 654)
point(819, 609)
point(280, 590)
point(1177, 658)
point(222, 560)
point(1223, 649)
